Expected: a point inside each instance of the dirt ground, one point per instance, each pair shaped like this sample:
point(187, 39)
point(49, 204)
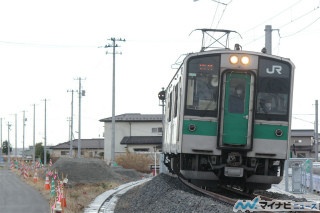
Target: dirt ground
point(85, 170)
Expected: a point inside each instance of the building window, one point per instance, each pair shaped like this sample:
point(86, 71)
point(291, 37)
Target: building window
point(141, 149)
point(301, 155)
point(64, 152)
point(157, 130)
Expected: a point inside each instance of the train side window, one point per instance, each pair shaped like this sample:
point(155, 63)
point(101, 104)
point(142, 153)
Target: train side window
point(170, 106)
point(176, 89)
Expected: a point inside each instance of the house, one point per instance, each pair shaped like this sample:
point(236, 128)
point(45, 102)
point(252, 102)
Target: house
point(134, 132)
point(90, 148)
point(302, 143)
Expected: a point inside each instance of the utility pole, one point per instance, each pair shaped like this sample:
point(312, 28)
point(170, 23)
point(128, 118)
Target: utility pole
point(113, 45)
point(45, 133)
point(81, 93)
point(34, 135)
point(316, 133)
point(71, 125)
point(0, 139)
point(15, 136)
point(23, 132)
point(8, 144)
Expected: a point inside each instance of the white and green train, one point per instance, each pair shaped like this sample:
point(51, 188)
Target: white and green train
point(227, 118)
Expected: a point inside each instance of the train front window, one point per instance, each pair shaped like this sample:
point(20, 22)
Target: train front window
point(272, 100)
point(202, 86)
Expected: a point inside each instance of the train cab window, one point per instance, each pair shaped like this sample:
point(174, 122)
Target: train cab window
point(272, 101)
point(237, 96)
point(202, 86)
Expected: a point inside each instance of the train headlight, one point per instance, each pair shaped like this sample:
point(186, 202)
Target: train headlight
point(234, 59)
point(245, 60)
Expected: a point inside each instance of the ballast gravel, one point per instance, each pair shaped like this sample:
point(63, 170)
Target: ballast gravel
point(165, 194)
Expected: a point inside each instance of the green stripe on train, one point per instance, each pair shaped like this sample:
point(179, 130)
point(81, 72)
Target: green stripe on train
point(264, 131)
point(208, 128)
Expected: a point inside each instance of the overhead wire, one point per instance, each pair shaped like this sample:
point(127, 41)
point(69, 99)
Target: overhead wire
point(302, 29)
point(272, 17)
point(216, 12)
point(286, 24)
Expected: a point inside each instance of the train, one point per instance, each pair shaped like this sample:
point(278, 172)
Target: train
point(227, 118)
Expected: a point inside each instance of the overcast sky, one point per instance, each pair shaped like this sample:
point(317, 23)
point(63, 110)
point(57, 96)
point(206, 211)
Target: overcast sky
point(46, 45)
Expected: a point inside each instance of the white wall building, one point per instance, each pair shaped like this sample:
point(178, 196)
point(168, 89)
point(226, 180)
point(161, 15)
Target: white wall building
point(134, 132)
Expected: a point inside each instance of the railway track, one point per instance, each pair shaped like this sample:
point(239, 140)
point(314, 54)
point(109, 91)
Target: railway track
point(107, 201)
point(240, 196)
point(216, 196)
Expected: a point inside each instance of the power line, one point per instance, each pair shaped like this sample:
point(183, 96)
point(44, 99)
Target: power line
point(286, 24)
point(278, 14)
point(305, 27)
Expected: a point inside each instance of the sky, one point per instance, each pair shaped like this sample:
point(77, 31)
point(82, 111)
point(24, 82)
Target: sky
point(46, 46)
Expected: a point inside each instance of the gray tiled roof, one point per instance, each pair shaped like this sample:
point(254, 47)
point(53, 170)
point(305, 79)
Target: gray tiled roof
point(302, 132)
point(96, 143)
point(136, 117)
point(142, 140)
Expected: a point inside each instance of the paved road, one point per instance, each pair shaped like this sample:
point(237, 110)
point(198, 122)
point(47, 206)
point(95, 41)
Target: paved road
point(18, 197)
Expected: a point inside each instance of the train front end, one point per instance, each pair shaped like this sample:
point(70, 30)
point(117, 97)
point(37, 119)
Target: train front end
point(230, 118)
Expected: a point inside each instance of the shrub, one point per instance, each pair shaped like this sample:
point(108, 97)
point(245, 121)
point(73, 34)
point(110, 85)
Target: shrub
point(138, 162)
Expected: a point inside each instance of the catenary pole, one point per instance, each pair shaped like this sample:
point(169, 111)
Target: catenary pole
point(268, 39)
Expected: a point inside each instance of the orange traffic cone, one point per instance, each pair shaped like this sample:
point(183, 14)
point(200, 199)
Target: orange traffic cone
point(35, 177)
point(47, 183)
point(63, 198)
point(63, 202)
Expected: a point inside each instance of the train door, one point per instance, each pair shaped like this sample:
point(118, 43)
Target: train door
point(236, 110)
